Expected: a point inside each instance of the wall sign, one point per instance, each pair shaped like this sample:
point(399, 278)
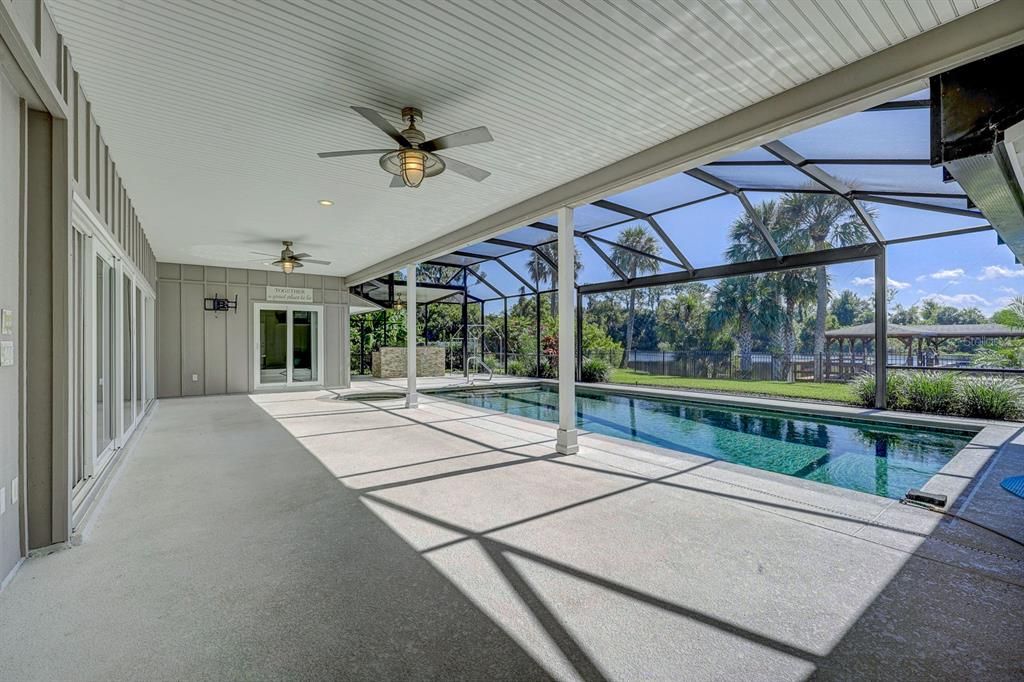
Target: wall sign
point(289, 294)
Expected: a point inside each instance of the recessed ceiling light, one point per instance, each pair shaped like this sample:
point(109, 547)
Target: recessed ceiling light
point(326, 202)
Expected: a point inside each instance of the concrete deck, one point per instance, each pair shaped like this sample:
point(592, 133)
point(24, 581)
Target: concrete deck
point(294, 536)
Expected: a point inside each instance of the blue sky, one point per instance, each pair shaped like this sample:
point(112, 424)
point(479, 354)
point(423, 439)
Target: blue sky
point(965, 271)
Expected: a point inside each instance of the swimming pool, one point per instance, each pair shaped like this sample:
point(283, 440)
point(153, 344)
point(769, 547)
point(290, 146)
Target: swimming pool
point(881, 459)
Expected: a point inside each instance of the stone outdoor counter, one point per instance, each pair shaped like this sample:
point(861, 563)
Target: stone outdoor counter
point(389, 362)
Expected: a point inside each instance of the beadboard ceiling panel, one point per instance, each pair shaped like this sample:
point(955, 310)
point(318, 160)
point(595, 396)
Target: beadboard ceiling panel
point(215, 109)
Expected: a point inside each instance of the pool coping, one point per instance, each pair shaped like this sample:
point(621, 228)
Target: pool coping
point(954, 478)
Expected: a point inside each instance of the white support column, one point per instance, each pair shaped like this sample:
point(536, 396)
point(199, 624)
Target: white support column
point(411, 399)
point(566, 443)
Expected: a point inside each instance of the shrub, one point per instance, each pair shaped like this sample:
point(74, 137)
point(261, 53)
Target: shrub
point(595, 370)
point(518, 368)
point(946, 393)
point(990, 398)
point(933, 392)
point(863, 388)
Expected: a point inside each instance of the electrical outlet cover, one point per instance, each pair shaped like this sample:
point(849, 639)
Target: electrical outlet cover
point(6, 353)
point(6, 321)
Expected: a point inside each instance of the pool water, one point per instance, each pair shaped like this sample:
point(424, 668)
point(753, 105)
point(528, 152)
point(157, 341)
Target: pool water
point(880, 459)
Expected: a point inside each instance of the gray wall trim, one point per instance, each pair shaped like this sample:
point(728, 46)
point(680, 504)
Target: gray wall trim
point(218, 347)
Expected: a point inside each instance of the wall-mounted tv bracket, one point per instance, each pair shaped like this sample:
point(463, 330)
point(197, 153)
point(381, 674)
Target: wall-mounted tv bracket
point(218, 304)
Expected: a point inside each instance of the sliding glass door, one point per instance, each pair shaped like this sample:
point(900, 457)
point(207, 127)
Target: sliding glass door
point(110, 351)
point(289, 345)
point(105, 347)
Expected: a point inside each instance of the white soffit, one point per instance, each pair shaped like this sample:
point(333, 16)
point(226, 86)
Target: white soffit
point(214, 110)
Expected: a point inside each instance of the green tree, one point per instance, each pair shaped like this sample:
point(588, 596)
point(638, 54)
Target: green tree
point(1005, 352)
point(540, 270)
point(682, 319)
point(824, 221)
point(850, 309)
point(901, 315)
point(634, 239)
point(1012, 315)
point(740, 304)
point(791, 288)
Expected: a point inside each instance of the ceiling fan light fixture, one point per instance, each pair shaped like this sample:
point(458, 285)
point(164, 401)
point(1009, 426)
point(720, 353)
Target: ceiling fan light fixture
point(413, 164)
point(287, 265)
point(415, 159)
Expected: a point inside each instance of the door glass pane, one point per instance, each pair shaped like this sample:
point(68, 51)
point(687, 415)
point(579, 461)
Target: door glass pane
point(305, 354)
point(126, 376)
point(79, 299)
point(150, 349)
point(273, 346)
point(140, 339)
point(104, 354)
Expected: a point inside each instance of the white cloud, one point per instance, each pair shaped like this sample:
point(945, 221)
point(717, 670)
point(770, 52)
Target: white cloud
point(954, 273)
point(997, 271)
point(958, 299)
point(870, 282)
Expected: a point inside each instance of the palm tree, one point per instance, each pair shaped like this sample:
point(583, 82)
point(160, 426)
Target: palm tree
point(824, 221)
point(538, 268)
point(634, 239)
point(792, 288)
point(540, 271)
point(743, 303)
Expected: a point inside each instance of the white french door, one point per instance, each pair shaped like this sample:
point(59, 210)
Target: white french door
point(289, 343)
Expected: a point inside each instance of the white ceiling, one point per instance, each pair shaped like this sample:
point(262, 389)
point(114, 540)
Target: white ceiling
point(214, 109)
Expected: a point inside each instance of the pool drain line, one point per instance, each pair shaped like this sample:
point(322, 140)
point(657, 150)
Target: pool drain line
point(932, 508)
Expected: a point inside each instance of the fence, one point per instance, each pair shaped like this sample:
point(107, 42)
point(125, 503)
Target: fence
point(825, 367)
point(836, 367)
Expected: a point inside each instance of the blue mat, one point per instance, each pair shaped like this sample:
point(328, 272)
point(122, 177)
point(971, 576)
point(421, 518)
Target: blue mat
point(1015, 484)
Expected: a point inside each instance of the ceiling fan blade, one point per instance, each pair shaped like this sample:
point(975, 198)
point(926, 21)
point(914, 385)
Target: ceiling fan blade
point(396, 181)
point(264, 253)
point(316, 262)
point(464, 169)
point(353, 152)
point(301, 255)
point(379, 121)
point(460, 139)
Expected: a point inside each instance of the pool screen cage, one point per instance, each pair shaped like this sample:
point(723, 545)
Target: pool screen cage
point(870, 164)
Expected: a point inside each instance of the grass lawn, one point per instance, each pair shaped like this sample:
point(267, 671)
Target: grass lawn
point(807, 390)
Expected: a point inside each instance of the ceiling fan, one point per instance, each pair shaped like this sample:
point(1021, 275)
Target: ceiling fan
point(289, 260)
point(417, 158)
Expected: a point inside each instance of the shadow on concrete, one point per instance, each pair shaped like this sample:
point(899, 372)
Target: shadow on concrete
point(232, 553)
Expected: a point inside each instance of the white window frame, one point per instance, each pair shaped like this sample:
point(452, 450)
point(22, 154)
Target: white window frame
point(99, 242)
